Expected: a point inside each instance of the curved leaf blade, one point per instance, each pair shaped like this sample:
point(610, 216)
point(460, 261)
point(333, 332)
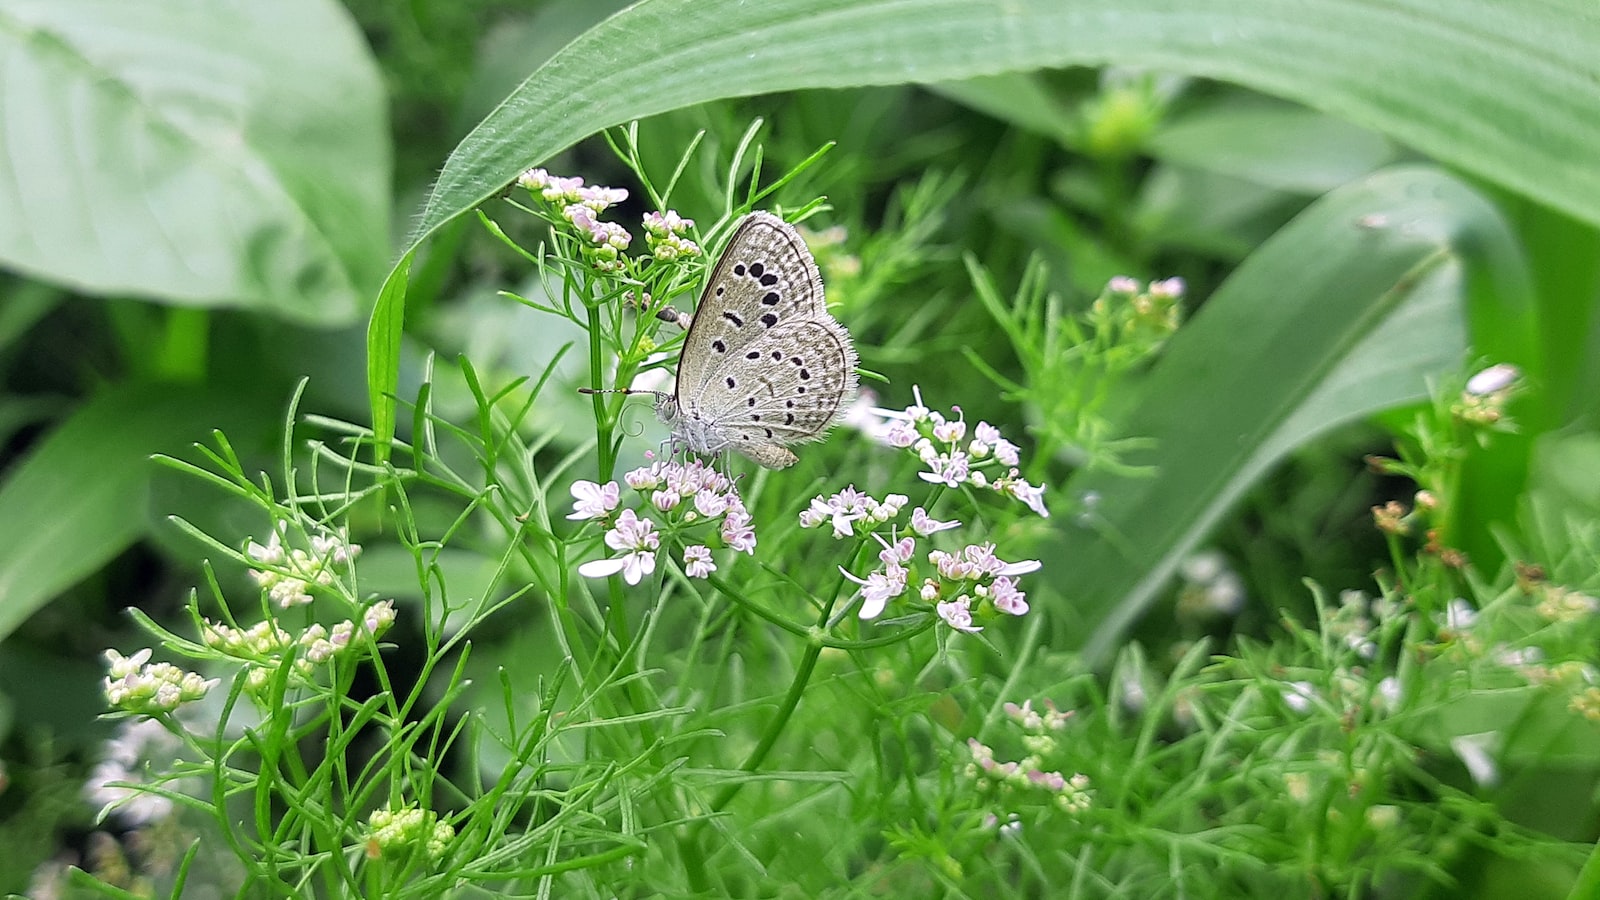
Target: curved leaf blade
point(81, 495)
point(232, 158)
point(1394, 66)
point(1349, 310)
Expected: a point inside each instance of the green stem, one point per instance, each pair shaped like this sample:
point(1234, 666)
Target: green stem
point(694, 858)
point(603, 421)
point(802, 677)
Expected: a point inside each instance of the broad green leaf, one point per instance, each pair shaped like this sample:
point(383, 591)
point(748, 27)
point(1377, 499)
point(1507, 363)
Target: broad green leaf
point(1397, 67)
point(1505, 91)
point(79, 498)
point(1277, 145)
point(1349, 310)
point(230, 155)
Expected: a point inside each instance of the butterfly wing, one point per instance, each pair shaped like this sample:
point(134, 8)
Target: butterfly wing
point(788, 386)
point(764, 277)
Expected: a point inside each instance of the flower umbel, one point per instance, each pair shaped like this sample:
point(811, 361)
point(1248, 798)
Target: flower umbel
point(136, 685)
point(987, 461)
point(680, 498)
point(288, 574)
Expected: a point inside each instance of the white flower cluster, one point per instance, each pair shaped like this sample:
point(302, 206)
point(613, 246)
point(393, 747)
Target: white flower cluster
point(988, 460)
point(663, 234)
point(968, 585)
point(287, 575)
point(685, 496)
point(136, 685)
point(264, 645)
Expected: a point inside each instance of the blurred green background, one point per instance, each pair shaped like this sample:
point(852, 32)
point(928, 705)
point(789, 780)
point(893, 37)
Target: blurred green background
point(198, 210)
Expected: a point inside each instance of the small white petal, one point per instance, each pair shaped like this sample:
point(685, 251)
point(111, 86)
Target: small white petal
point(600, 568)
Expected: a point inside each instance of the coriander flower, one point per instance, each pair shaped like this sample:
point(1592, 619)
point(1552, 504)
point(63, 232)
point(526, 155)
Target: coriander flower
point(1004, 595)
point(738, 531)
point(851, 511)
point(138, 686)
point(598, 198)
point(957, 614)
point(925, 525)
point(953, 461)
point(594, 501)
point(288, 575)
point(697, 561)
point(636, 536)
point(664, 236)
point(879, 588)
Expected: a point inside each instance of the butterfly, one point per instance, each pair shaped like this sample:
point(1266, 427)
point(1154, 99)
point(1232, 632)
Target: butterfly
point(763, 366)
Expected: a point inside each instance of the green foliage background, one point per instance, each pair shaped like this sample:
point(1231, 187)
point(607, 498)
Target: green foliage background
point(197, 210)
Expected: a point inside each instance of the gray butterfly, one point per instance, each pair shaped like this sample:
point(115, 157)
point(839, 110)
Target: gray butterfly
point(764, 365)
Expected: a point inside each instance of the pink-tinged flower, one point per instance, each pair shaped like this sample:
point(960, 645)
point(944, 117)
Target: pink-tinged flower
point(841, 515)
point(879, 588)
point(848, 507)
point(594, 501)
point(697, 561)
point(534, 179)
point(1004, 595)
point(984, 561)
point(988, 438)
point(1013, 485)
point(737, 531)
point(664, 235)
point(957, 614)
point(1122, 284)
point(950, 469)
point(924, 524)
point(950, 432)
point(898, 553)
point(667, 223)
point(632, 534)
point(951, 566)
point(582, 217)
point(378, 617)
point(709, 503)
point(598, 198)
point(1168, 288)
point(1050, 781)
point(670, 247)
point(901, 434)
point(665, 500)
point(633, 567)
point(644, 478)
